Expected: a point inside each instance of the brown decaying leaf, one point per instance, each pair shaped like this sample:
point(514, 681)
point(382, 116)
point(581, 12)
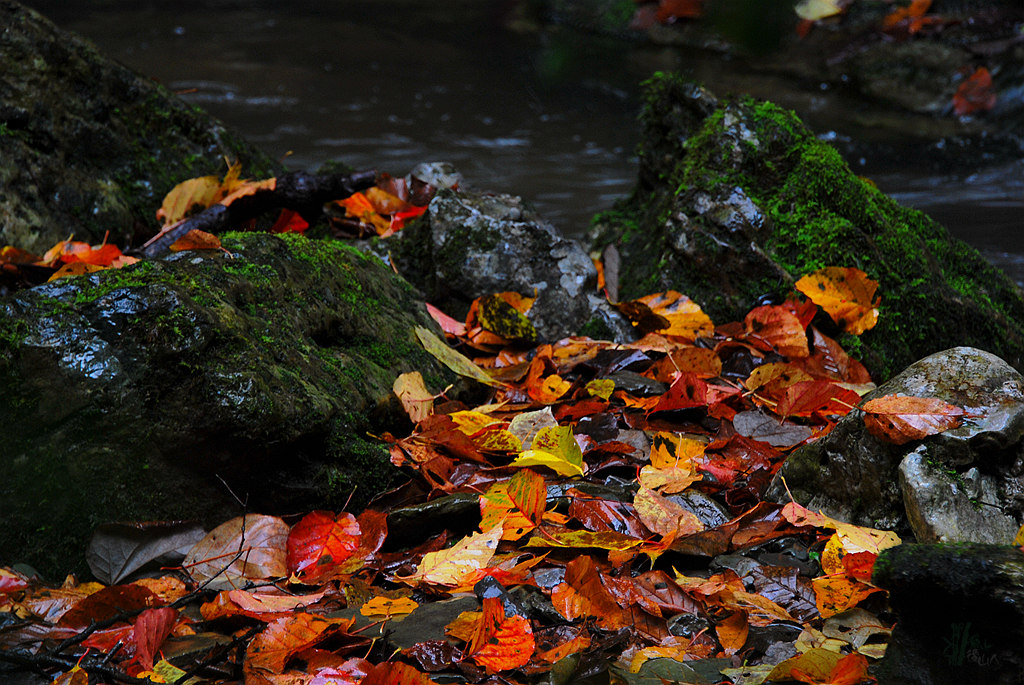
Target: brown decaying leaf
point(250, 547)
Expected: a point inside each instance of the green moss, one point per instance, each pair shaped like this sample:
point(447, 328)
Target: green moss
point(816, 213)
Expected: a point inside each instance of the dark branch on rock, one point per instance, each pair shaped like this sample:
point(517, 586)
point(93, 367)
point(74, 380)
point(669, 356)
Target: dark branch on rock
point(299, 191)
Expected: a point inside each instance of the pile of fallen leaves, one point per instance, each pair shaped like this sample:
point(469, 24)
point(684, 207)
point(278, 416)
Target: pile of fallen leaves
point(610, 524)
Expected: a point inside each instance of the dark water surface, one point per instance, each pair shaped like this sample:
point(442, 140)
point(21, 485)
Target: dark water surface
point(550, 117)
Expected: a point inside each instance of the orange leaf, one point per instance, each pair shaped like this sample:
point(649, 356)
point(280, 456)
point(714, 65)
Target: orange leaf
point(104, 255)
point(255, 604)
point(359, 207)
point(289, 221)
point(187, 195)
point(247, 188)
point(901, 419)
point(975, 94)
point(684, 316)
point(284, 637)
point(196, 240)
point(386, 607)
point(846, 294)
point(663, 516)
point(733, 631)
point(500, 642)
point(582, 594)
point(700, 361)
point(74, 269)
point(516, 505)
point(780, 328)
point(823, 397)
point(910, 17)
point(395, 673)
point(319, 543)
point(836, 594)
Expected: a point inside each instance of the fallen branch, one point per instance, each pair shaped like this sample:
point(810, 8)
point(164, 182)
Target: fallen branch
point(299, 191)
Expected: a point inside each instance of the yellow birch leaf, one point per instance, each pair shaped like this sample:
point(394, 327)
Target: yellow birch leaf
point(450, 566)
point(472, 422)
point(601, 388)
point(384, 607)
point(846, 294)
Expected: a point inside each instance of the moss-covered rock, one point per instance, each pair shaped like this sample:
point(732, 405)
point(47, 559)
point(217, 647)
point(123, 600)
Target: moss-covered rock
point(158, 390)
point(737, 200)
point(959, 614)
point(87, 146)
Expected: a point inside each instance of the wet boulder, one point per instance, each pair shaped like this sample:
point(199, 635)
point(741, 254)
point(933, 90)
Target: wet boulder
point(88, 146)
point(471, 244)
point(959, 611)
point(200, 386)
point(737, 199)
point(963, 485)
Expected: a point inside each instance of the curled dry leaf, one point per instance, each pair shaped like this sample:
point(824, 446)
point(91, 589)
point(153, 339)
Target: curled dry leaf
point(901, 419)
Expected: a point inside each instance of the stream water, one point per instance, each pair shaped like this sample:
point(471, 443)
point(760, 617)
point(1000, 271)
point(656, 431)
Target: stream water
point(549, 116)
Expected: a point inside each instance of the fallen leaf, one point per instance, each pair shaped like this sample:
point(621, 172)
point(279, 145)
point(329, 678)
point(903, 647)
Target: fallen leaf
point(451, 566)
point(516, 505)
point(250, 547)
point(663, 516)
point(453, 359)
point(846, 294)
point(814, 10)
point(412, 392)
point(386, 607)
point(556, 448)
point(319, 543)
point(285, 637)
point(975, 94)
point(900, 419)
point(780, 328)
point(500, 642)
point(151, 628)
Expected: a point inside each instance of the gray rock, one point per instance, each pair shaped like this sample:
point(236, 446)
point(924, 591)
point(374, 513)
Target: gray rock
point(164, 389)
point(943, 505)
point(472, 244)
point(965, 484)
point(88, 146)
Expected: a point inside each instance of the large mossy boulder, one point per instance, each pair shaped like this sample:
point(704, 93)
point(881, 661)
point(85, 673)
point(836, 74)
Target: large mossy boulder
point(737, 199)
point(165, 389)
point(88, 146)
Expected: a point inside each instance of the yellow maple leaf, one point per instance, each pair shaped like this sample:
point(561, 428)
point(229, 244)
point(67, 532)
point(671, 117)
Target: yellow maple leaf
point(846, 294)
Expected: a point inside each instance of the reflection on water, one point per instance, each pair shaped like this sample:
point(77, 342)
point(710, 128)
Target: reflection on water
point(388, 85)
